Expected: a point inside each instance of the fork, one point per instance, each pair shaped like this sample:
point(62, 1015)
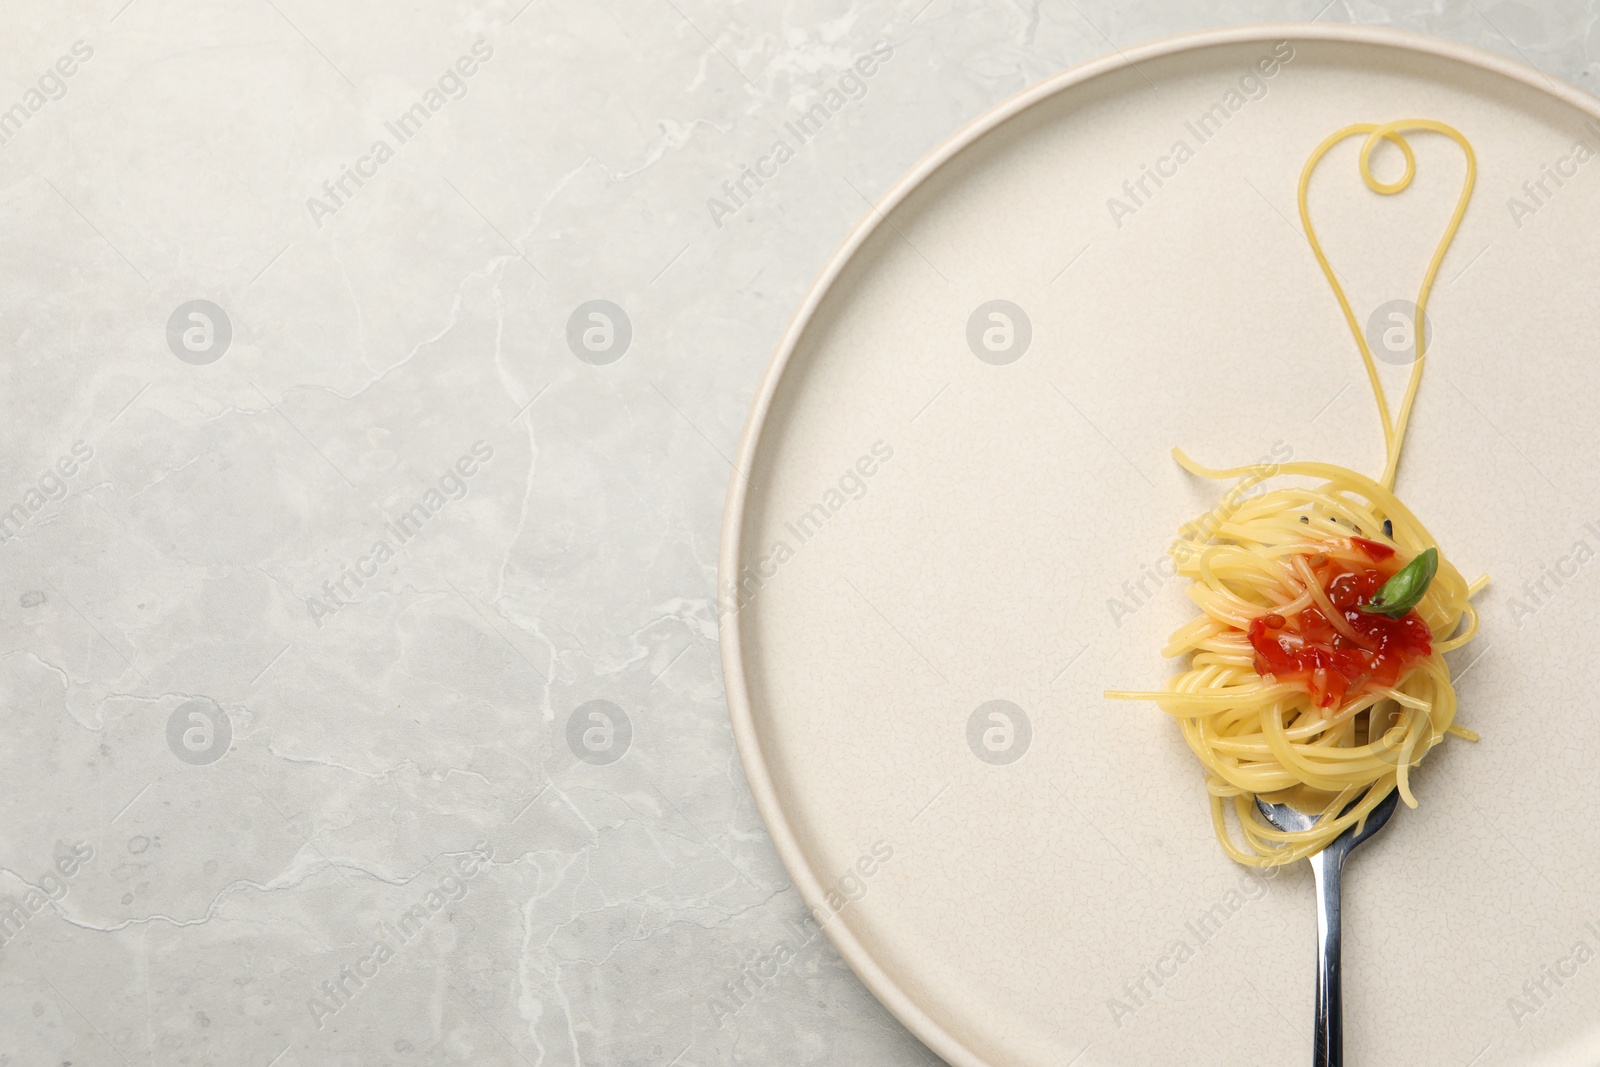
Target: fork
point(1327, 1041)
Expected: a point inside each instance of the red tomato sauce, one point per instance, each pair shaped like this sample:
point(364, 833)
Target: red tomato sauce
point(1307, 649)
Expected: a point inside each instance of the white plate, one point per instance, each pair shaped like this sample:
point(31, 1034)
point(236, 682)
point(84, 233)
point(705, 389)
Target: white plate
point(1032, 912)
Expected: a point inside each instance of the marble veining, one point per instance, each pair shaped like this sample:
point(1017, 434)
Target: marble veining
point(371, 379)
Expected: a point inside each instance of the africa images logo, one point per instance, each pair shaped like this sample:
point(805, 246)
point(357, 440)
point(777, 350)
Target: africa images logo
point(1252, 85)
point(451, 85)
point(452, 486)
point(51, 85)
point(847, 88)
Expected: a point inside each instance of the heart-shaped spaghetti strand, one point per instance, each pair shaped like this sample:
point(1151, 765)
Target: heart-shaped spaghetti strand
point(1394, 426)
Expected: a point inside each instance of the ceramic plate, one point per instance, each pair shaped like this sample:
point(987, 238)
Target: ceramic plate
point(956, 492)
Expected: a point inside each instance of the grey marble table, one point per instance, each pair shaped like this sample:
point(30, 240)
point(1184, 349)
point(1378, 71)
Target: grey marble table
point(371, 373)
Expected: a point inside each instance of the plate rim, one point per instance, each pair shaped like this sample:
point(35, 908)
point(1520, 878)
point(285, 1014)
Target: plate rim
point(731, 560)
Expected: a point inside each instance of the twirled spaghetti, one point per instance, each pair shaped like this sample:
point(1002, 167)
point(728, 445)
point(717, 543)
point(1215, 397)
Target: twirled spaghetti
point(1302, 683)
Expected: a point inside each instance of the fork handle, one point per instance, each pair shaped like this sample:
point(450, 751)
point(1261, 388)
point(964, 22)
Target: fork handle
point(1327, 1042)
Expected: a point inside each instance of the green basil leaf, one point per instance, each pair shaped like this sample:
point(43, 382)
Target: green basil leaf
point(1405, 590)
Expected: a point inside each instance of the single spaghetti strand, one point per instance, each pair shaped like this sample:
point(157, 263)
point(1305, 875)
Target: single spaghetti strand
point(1394, 426)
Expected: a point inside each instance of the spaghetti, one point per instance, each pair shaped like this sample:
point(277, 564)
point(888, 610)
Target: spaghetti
point(1316, 669)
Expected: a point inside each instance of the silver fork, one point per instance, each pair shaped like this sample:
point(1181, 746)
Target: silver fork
point(1327, 1041)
